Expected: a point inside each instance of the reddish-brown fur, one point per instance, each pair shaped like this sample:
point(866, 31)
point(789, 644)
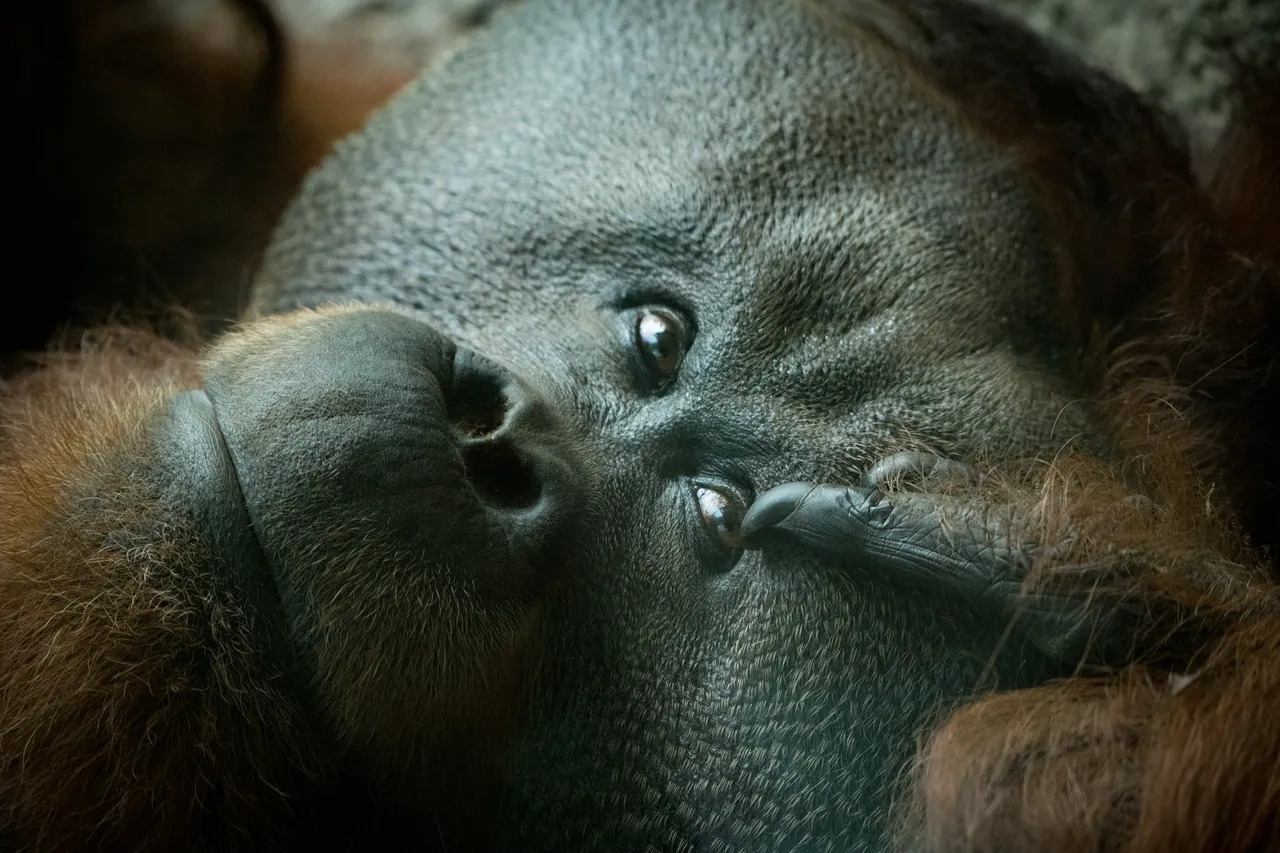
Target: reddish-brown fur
point(88, 640)
point(111, 733)
point(1171, 292)
point(1171, 289)
point(134, 714)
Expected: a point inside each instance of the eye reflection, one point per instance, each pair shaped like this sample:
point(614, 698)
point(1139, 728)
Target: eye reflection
point(722, 514)
point(660, 337)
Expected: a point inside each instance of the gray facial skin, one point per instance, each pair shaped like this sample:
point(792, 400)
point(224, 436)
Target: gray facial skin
point(862, 272)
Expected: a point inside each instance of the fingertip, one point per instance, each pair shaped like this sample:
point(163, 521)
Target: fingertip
point(771, 508)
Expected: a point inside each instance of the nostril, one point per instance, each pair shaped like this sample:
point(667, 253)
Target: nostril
point(500, 475)
point(477, 404)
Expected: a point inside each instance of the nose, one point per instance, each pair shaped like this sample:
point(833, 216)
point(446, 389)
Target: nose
point(508, 442)
point(372, 415)
point(479, 408)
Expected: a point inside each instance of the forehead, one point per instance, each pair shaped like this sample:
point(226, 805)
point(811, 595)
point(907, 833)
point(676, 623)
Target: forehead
point(849, 246)
point(763, 152)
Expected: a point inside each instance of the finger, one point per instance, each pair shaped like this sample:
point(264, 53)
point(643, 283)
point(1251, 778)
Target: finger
point(917, 468)
point(903, 537)
point(831, 519)
point(961, 550)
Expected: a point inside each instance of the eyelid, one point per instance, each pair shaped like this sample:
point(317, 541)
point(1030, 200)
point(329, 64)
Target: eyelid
point(721, 484)
point(639, 300)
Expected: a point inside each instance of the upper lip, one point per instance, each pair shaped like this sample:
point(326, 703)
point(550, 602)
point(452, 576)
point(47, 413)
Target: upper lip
point(224, 519)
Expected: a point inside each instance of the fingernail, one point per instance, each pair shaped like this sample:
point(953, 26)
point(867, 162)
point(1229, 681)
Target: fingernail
point(772, 507)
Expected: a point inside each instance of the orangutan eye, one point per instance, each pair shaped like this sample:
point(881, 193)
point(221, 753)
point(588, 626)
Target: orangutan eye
point(662, 340)
point(722, 516)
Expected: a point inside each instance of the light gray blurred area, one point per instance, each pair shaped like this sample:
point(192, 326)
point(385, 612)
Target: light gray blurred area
point(415, 32)
point(1178, 52)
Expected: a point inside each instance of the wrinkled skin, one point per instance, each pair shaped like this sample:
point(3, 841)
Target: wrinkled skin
point(858, 272)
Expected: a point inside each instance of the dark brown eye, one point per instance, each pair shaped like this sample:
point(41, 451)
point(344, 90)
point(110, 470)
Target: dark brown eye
point(722, 514)
point(661, 339)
